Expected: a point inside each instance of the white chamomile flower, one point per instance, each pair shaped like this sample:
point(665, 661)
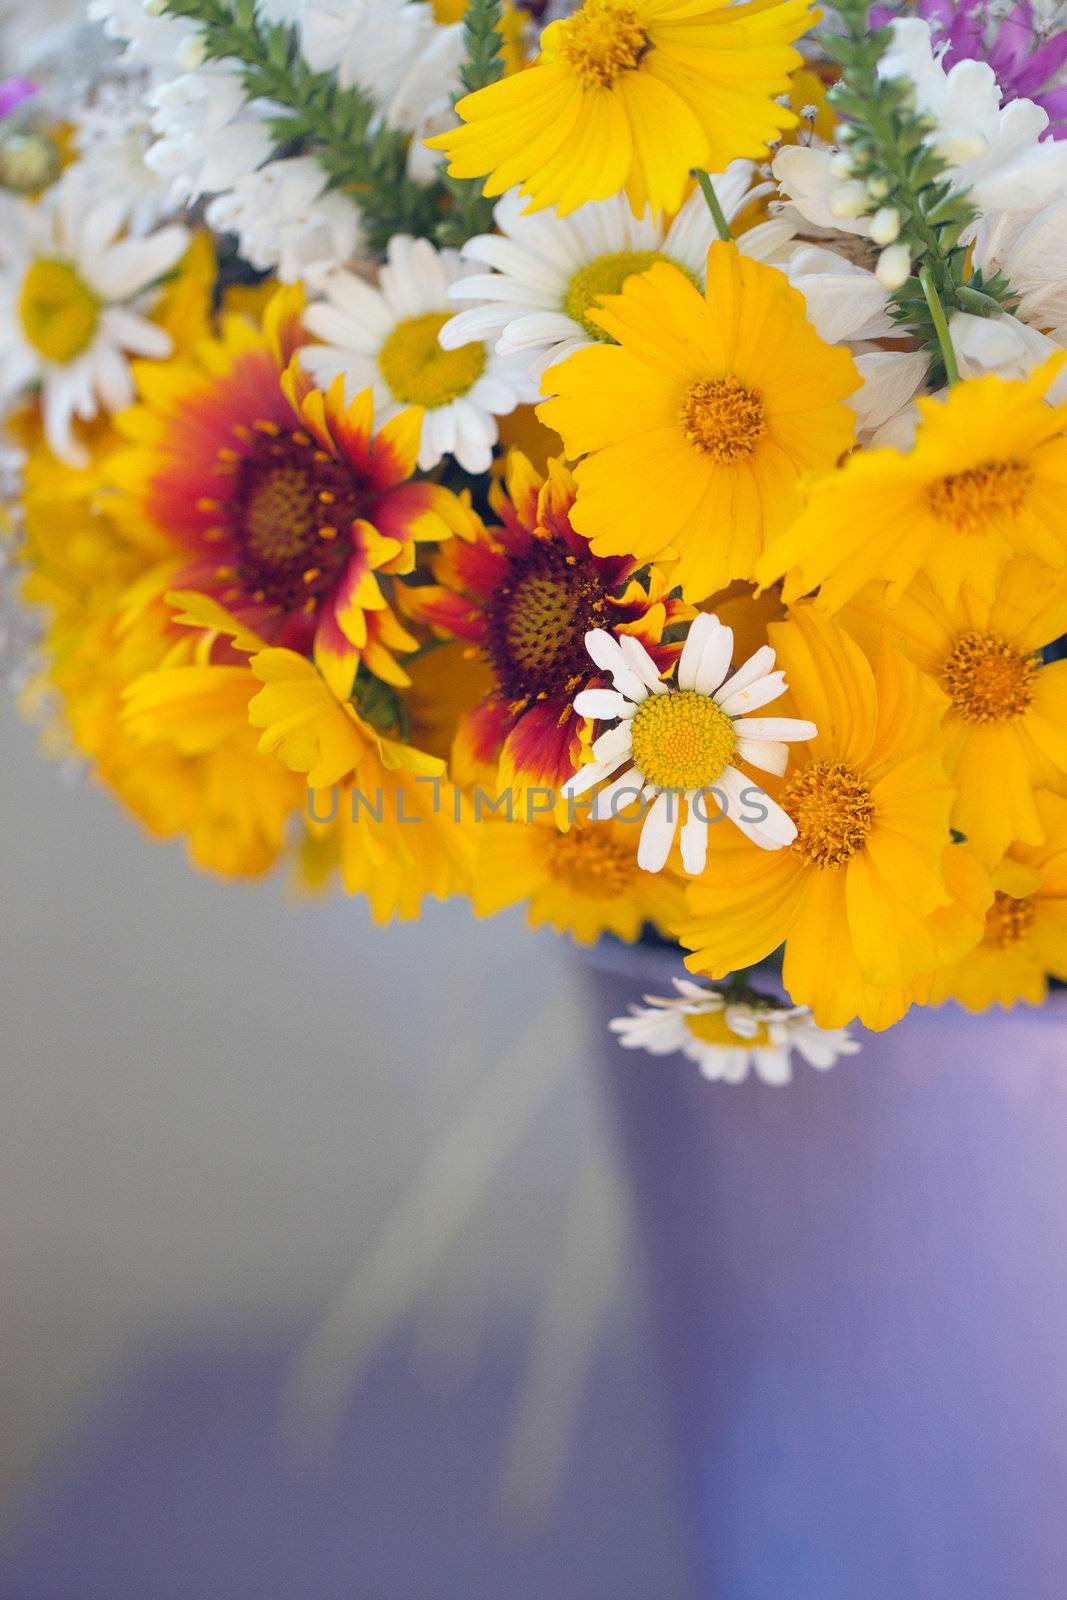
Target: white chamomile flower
point(681, 739)
point(73, 298)
point(112, 133)
point(385, 338)
point(546, 272)
point(287, 218)
point(728, 1038)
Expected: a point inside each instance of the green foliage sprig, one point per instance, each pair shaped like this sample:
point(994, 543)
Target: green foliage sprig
point(901, 181)
point(337, 125)
point(471, 212)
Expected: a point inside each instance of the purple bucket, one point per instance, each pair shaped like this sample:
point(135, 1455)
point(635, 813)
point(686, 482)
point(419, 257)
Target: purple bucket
point(861, 1288)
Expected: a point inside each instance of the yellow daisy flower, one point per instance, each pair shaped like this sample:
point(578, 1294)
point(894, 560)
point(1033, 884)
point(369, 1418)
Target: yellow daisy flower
point(1024, 942)
point(1005, 726)
point(984, 481)
point(698, 423)
point(854, 897)
point(632, 94)
point(584, 881)
point(394, 827)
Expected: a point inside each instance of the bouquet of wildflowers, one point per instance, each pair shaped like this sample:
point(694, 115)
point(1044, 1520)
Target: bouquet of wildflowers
point(614, 461)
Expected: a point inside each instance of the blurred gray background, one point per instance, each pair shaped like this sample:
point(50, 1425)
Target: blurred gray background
point(285, 1193)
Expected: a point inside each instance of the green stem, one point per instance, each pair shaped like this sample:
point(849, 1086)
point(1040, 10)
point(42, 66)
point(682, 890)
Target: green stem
point(937, 317)
point(707, 189)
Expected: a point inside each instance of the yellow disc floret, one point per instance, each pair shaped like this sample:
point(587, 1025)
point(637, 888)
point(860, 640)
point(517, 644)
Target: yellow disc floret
point(682, 740)
point(711, 1027)
point(58, 312)
point(723, 419)
point(592, 862)
point(833, 812)
point(988, 679)
point(1008, 920)
point(602, 40)
point(977, 499)
point(419, 372)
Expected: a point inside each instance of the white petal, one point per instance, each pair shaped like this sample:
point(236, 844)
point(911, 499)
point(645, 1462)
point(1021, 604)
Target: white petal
point(613, 745)
point(585, 778)
point(770, 755)
point(642, 663)
point(603, 704)
point(694, 839)
point(759, 817)
point(657, 832)
point(756, 667)
point(736, 702)
point(609, 801)
point(792, 729)
point(706, 654)
point(607, 654)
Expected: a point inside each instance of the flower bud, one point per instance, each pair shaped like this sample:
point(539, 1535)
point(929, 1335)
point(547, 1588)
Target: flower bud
point(878, 186)
point(191, 53)
point(894, 266)
point(841, 165)
point(885, 225)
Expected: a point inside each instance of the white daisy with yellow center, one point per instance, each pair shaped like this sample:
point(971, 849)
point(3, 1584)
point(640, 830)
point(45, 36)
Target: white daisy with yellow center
point(384, 338)
point(728, 1038)
point(74, 293)
point(677, 743)
point(547, 272)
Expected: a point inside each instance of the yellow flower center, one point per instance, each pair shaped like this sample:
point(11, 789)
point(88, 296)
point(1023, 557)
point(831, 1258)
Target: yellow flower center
point(833, 812)
point(419, 372)
point(592, 862)
point(59, 312)
point(682, 740)
point(722, 419)
point(711, 1027)
point(988, 679)
point(972, 501)
point(604, 275)
point(603, 39)
point(290, 506)
point(1008, 920)
point(538, 621)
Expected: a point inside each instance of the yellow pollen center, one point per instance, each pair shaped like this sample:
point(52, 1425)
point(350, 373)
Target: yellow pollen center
point(1008, 920)
point(833, 812)
point(602, 40)
point(711, 1027)
point(601, 276)
point(419, 372)
point(972, 501)
point(722, 419)
point(988, 679)
point(591, 862)
point(58, 312)
point(682, 740)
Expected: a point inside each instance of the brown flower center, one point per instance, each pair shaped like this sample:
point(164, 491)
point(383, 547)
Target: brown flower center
point(988, 679)
point(538, 622)
point(722, 419)
point(833, 812)
point(291, 507)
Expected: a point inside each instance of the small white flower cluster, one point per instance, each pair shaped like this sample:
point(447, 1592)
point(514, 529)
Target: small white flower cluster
point(1017, 179)
point(729, 1038)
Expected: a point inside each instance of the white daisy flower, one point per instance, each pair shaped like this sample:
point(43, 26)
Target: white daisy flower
point(287, 219)
point(73, 298)
point(681, 740)
point(729, 1038)
point(112, 133)
point(547, 271)
point(385, 338)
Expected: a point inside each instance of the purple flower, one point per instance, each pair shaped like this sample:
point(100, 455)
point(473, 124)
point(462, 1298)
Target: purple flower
point(13, 91)
point(1027, 67)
